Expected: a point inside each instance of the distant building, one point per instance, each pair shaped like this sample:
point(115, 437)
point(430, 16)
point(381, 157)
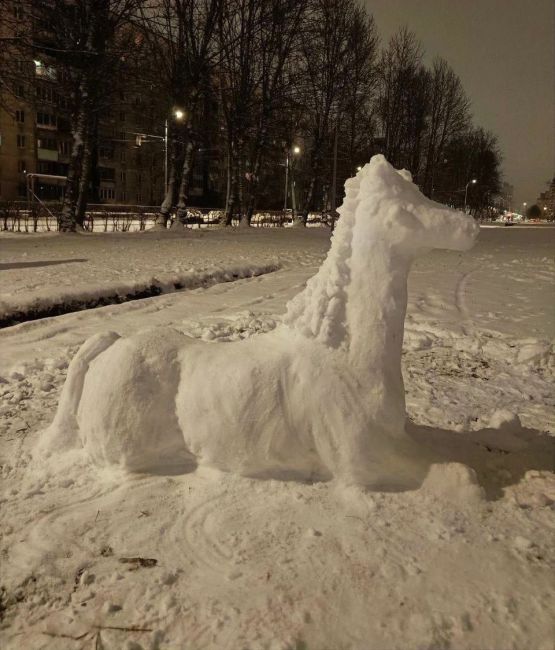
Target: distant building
point(546, 201)
point(35, 135)
point(505, 197)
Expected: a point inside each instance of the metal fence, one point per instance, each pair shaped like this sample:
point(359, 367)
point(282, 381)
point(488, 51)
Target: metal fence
point(17, 217)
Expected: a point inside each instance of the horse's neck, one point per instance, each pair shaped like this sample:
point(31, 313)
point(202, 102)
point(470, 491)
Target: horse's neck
point(357, 300)
point(376, 307)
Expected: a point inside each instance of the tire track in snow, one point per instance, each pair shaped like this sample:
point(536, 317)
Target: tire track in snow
point(460, 301)
point(200, 544)
point(54, 536)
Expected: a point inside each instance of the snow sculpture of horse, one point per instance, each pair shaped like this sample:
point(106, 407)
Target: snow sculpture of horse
point(320, 396)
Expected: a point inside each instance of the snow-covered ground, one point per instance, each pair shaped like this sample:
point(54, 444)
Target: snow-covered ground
point(231, 562)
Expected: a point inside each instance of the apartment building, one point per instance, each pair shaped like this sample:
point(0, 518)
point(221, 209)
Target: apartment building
point(546, 201)
point(35, 138)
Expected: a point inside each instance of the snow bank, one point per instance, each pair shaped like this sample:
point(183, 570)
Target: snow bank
point(40, 304)
point(320, 396)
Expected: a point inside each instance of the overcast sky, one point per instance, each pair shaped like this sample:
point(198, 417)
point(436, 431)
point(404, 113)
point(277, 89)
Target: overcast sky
point(504, 53)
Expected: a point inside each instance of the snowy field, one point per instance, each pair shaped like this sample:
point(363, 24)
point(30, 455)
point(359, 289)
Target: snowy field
point(204, 559)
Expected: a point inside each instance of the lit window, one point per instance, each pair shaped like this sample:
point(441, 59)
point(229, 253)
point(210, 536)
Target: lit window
point(42, 70)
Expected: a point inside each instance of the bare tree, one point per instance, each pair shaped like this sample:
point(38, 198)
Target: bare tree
point(354, 128)
point(402, 100)
point(278, 38)
point(449, 118)
point(84, 42)
point(329, 56)
point(181, 41)
point(238, 79)
point(473, 154)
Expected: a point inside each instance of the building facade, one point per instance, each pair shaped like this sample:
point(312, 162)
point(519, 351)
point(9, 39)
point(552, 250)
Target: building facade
point(546, 201)
point(35, 139)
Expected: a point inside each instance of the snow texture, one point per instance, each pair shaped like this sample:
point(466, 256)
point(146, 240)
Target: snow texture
point(244, 563)
point(252, 407)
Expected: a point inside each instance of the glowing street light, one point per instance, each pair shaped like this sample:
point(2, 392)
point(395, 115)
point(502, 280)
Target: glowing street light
point(472, 182)
point(178, 115)
point(295, 150)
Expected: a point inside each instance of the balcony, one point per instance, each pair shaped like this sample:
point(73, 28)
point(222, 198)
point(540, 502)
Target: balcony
point(45, 71)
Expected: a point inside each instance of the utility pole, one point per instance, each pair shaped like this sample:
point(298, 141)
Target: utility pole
point(286, 181)
point(472, 182)
point(295, 151)
point(177, 115)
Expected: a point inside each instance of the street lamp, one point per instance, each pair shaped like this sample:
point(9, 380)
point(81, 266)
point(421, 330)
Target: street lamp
point(472, 182)
point(178, 115)
point(295, 150)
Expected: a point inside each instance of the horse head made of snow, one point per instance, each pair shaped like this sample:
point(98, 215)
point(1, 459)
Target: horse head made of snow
point(321, 396)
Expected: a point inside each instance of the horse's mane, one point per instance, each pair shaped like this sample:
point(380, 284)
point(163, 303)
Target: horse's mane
point(318, 311)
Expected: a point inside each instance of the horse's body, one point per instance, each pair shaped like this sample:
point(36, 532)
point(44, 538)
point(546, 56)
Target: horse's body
point(321, 396)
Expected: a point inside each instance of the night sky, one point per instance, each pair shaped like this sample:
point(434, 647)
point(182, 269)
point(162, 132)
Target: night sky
point(504, 53)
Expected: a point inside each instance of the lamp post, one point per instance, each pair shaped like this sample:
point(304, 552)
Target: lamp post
point(296, 150)
point(178, 115)
point(472, 182)
point(524, 204)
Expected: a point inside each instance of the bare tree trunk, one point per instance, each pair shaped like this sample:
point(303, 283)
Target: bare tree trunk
point(68, 215)
point(84, 180)
point(181, 214)
point(231, 192)
point(252, 190)
point(315, 179)
point(253, 180)
point(240, 184)
point(228, 215)
point(161, 220)
point(302, 218)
